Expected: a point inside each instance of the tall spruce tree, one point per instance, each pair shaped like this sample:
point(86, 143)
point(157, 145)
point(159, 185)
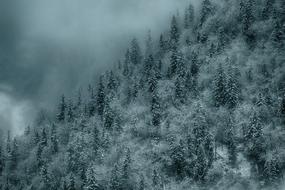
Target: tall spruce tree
point(91, 180)
point(135, 52)
point(206, 11)
point(174, 33)
point(156, 109)
point(100, 97)
point(220, 89)
point(62, 109)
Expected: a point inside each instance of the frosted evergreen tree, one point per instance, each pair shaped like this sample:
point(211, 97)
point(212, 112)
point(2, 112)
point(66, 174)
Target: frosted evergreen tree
point(271, 173)
point(43, 140)
point(220, 89)
point(154, 75)
point(180, 89)
point(91, 181)
point(282, 107)
point(148, 66)
point(91, 103)
point(8, 142)
point(231, 144)
point(189, 16)
point(44, 175)
point(141, 185)
point(108, 116)
point(112, 83)
point(148, 45)
point(176, 61)
point(247, 19)
point(267, 9)
point(126, 66)
point(155, 179)
point(162, 45)
point(71, 183)
point(178, 159)
point(101, 97)
point(201, 165)
point(70, 112)
point(233, 91)
point(126, 172)
point(2, 160)
point(115, 181)
point(206, 11)
point(174, 33)
point(62, 110)
point(135, 52)
point(156, 109)
point(278, 34)
point(54, 140)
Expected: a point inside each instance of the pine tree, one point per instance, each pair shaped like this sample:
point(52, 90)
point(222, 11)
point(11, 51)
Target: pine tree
point(282, 107)
point(70, 112)
point(91, 104)
point(248, 19)
point(135, 52)
point(126, 66)
point(267, 9)
point(54, 140)
point(44, 175)
point(254, 139)
point(2, 160)
point(112, 84)
point(91, 181)
point(95, 139)
point(8, 142)
point(71, 183)
point(115, 182)
point(126, 173)
point(162, 45)
point(62, 108)
point(148, 45)
point(231, 143)
point(220, 90)
point(100, 97)
point(108, 117)
point(201, 165)
point(176, 62)
point(153, 80)
point(156, 109)
point(178, 158)
point(233, 91)
point(206, 11)
point(278, 34)
point(43, 140)
point(180, 89)
point(142, 184)
point(174, 33)
point(272, 171)
point(155, 179)
point(189, 16)
point(13, 156)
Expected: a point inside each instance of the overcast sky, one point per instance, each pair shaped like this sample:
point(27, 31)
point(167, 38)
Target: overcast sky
point(51, 47)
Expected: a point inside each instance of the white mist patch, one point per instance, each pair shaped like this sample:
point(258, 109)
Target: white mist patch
point(15, 115)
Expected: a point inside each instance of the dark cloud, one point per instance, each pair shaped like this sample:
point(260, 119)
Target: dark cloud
point(55, 46)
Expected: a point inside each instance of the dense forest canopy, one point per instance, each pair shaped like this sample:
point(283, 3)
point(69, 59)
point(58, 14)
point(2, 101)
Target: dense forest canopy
point(202, 106)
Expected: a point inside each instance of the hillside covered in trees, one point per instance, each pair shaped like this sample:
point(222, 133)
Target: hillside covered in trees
point(200, 107)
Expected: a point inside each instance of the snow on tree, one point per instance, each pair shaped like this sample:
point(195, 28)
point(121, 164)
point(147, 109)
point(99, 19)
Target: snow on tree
point(220, 89)
point(174, 33)
point(91, 179)
point(62, 109)
point(135, 52)
point(100, 97)
point(206, 11)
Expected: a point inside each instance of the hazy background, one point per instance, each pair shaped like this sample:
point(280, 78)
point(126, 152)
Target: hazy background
point(55, 46)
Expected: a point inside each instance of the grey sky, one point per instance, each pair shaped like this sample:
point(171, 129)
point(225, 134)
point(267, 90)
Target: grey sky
point(51, 47)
